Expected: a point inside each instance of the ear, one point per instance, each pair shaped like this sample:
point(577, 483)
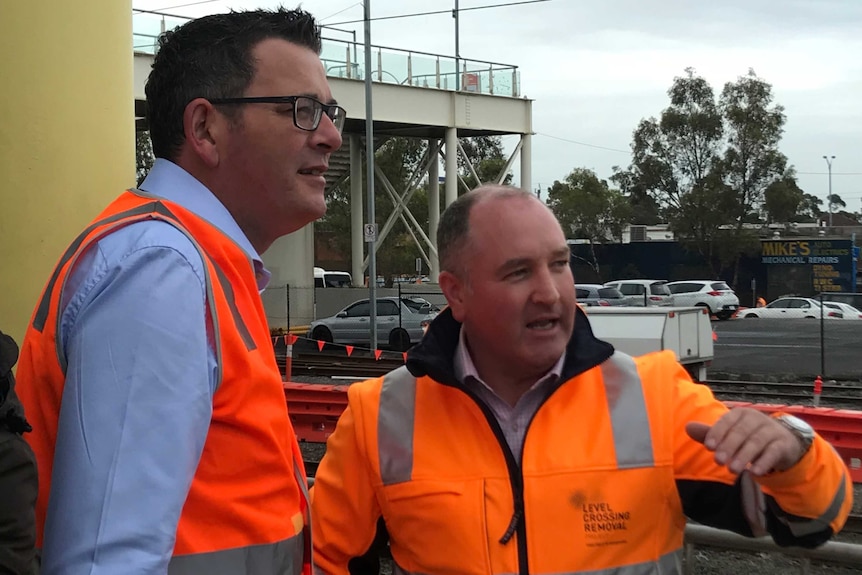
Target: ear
point(202, 126)
point(455, 290)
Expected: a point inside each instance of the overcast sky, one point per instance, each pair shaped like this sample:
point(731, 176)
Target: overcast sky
point(596, 68)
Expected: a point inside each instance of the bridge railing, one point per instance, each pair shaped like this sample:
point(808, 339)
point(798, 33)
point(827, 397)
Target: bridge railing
point(346, 59)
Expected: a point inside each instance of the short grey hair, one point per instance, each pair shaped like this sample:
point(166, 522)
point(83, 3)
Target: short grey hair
point(453, 230)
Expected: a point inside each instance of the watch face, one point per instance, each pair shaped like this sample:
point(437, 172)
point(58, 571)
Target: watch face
point(795, 422)
point(797, 425)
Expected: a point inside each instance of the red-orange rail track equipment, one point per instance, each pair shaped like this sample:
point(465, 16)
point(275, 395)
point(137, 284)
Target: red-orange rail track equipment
point(315, 409)
point(840, 427)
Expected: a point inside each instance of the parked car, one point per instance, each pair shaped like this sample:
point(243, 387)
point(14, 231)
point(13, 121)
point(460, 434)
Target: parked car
point(792, 307)
point(599, 295)
point(399, 323)
point(640, 293)
point(714, 295)
point(847, 310)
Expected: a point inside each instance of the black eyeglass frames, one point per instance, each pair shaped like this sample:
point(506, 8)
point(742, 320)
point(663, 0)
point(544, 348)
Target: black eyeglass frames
point(307, 111)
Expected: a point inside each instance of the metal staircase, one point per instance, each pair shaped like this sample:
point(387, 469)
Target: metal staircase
point(339, 165)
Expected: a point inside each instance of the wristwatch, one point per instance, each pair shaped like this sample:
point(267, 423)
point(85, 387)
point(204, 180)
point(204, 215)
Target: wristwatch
point(798, 427)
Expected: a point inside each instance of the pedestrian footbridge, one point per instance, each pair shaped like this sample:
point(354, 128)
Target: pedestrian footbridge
point(415, 94)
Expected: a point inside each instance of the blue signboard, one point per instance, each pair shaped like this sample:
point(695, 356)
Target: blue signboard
point(811, 266)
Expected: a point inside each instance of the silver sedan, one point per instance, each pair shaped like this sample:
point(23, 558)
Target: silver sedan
point(399, 323)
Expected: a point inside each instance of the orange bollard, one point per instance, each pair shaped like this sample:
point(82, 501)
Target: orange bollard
point(289, 340)
point(818, 389)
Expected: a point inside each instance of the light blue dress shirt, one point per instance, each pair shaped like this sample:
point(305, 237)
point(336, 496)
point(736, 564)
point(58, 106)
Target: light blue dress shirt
point(137, 401)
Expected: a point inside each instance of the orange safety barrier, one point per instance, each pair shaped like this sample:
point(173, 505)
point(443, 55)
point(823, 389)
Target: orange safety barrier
point(840, 427)
point(314, 409)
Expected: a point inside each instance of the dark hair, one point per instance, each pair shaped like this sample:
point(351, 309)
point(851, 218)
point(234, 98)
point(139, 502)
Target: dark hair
point(452, 231)
point(211, 57)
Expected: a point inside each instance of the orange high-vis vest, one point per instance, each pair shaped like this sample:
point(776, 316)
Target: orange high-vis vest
point(255, 509)
point(597, 489)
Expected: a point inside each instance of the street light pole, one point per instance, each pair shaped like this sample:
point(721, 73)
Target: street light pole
point(829, 197)
point(370, 239)
point(455, 14)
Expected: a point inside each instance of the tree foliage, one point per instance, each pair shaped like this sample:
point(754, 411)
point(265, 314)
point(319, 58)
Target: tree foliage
point(485, 154)
point(783, 199)
point(707, 164)
point(809, 209)
point(835, 203)
point(587, 208)
point(144, 158)
point(755, 125)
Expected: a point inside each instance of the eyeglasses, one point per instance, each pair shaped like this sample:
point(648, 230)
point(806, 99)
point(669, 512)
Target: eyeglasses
point(307, 112)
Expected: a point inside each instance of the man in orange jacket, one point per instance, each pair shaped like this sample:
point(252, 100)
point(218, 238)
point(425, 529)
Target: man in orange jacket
point(514, 441)
point(159, 423)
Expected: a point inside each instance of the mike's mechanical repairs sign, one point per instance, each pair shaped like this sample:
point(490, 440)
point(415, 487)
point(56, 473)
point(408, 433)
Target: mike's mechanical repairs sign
point(822, 265)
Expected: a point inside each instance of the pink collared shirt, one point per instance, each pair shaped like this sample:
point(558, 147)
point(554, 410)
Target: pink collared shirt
point(513, 420)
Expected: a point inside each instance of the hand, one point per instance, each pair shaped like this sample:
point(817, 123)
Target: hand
point(745, 438)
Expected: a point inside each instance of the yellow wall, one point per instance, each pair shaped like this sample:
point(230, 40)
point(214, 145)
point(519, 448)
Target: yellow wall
point(66, 134)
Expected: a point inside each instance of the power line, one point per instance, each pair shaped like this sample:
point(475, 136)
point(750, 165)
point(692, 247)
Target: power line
point(833, 173)
point(628, 152)
point(411, 15)
point(340, 11)
point(176, 6)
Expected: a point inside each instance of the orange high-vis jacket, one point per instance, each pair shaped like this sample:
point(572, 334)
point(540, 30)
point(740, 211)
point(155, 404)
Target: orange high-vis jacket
point(251, 504)
point(605, 481)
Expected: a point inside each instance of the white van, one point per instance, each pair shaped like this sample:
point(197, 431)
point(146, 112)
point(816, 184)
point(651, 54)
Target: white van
point(326, 278)
point(644, 293)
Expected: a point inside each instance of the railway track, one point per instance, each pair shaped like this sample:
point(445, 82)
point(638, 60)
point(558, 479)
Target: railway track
point(362, 364)
point(833, 395)
point(854, 524)
point(338, 365)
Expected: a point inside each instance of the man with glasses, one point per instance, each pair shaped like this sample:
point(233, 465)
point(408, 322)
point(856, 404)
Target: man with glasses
point(160, 425)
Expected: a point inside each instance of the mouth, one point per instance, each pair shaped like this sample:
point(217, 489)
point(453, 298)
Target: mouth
point(543, 324)
point(317, 171)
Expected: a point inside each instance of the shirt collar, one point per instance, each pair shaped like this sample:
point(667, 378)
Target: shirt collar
point(169, 181)
point(465, 368)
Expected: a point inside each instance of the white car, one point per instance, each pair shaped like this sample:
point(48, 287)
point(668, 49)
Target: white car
point(644, 293)
point(847, 310)
point(792, 307)
point(715, 295)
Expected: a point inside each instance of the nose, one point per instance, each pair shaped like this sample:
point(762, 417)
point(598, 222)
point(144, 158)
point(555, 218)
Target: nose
point(326, 135)
point(546, 289)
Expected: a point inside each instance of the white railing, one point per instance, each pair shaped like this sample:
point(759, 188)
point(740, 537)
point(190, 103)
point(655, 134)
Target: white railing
point(832, 551)
point(344, 58)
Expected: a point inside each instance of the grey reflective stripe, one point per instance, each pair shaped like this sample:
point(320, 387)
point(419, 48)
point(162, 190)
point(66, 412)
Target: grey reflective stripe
point(231, 302)
point(42, 310)
point(306, 528)
point(632, 438)
point(801, 527)
point(669, 564)
point(395, 419)
point(280, 558)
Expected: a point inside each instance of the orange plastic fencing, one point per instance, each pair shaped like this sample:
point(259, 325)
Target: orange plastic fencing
point(840, 427)
point(314, 410)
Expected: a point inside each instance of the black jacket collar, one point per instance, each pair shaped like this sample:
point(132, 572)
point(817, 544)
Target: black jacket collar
point(434, 355)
